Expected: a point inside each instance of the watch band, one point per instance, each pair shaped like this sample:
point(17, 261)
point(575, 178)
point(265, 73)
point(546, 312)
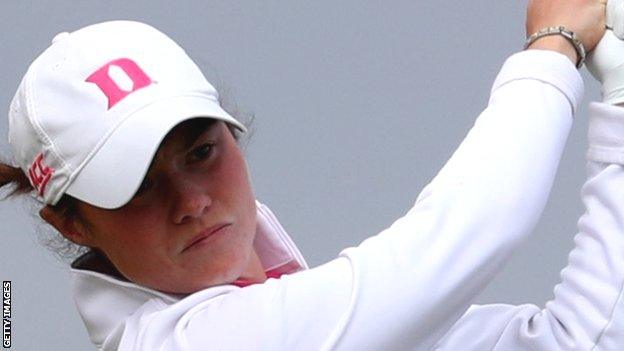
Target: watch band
point(569, 35)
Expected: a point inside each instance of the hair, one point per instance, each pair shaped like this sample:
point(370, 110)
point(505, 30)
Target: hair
point(16, 184)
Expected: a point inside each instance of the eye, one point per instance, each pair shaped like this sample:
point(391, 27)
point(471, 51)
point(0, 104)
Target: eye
point(203, 152)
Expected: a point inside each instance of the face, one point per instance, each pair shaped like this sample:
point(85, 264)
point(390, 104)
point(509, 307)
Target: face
point(197, 183)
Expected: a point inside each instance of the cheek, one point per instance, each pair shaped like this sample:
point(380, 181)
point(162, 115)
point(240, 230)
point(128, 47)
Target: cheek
point(130, 233)
point(241, 185)
point(137, 245)
point(235, 192)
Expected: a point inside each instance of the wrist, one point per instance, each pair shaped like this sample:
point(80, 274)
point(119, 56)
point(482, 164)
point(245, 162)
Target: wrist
point(556, 43)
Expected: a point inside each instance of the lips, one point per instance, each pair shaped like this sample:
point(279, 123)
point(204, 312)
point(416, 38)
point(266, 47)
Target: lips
point(204, 235)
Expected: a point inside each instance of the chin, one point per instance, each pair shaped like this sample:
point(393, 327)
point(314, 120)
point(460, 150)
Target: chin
point(224, 269)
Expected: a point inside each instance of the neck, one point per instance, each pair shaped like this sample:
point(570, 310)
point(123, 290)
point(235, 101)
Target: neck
point(254, 272)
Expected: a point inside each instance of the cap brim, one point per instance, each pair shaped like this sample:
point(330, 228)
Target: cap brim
point(111, 177)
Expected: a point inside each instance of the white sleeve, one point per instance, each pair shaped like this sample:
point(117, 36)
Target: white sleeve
point(405, 287)
point(587, 312)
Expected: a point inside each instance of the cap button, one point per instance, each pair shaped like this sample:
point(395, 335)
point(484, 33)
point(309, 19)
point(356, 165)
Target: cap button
point(60, 36)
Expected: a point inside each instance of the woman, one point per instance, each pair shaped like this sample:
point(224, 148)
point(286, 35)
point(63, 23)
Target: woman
point(109, 129)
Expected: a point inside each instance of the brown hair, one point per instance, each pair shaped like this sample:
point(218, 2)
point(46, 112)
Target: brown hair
point(17, 183)
point(14, 176)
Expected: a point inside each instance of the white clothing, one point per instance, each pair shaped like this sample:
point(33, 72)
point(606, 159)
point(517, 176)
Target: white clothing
point(587, 312)
point(404, 288)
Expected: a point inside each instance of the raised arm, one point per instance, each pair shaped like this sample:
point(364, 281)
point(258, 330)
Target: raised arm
point(587, 312)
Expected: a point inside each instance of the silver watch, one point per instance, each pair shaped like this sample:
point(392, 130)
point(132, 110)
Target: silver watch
point(560, 30)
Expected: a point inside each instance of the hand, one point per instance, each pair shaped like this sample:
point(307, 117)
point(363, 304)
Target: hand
point(586, 18)
point(606, 62)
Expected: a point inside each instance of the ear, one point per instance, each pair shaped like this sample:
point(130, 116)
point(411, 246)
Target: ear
point(69, 227)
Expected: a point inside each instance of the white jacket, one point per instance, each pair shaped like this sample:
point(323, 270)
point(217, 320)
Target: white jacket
point(410, 286)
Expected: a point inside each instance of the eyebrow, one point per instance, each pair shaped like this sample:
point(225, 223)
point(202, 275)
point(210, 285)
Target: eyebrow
point(195, 131)
point(192, 129)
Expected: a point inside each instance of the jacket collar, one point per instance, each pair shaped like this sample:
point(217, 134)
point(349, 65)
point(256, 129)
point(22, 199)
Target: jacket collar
point(105, 299)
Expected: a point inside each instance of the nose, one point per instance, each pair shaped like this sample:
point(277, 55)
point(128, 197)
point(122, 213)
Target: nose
point(190, 200)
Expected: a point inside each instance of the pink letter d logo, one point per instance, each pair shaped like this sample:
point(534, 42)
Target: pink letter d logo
point(110, 88)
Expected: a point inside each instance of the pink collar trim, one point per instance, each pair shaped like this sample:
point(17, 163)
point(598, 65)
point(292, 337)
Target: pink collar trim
point(277, 252)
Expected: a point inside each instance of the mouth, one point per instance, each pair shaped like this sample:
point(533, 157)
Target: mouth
point(204, 235)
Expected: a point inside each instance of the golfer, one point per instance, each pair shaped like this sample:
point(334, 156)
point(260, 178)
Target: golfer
point(119, 135)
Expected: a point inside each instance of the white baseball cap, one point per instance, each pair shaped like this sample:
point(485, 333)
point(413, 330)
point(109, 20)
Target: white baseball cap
point(93, 108)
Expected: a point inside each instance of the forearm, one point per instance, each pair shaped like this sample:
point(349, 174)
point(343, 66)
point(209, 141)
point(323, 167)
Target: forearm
point(557, 44)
